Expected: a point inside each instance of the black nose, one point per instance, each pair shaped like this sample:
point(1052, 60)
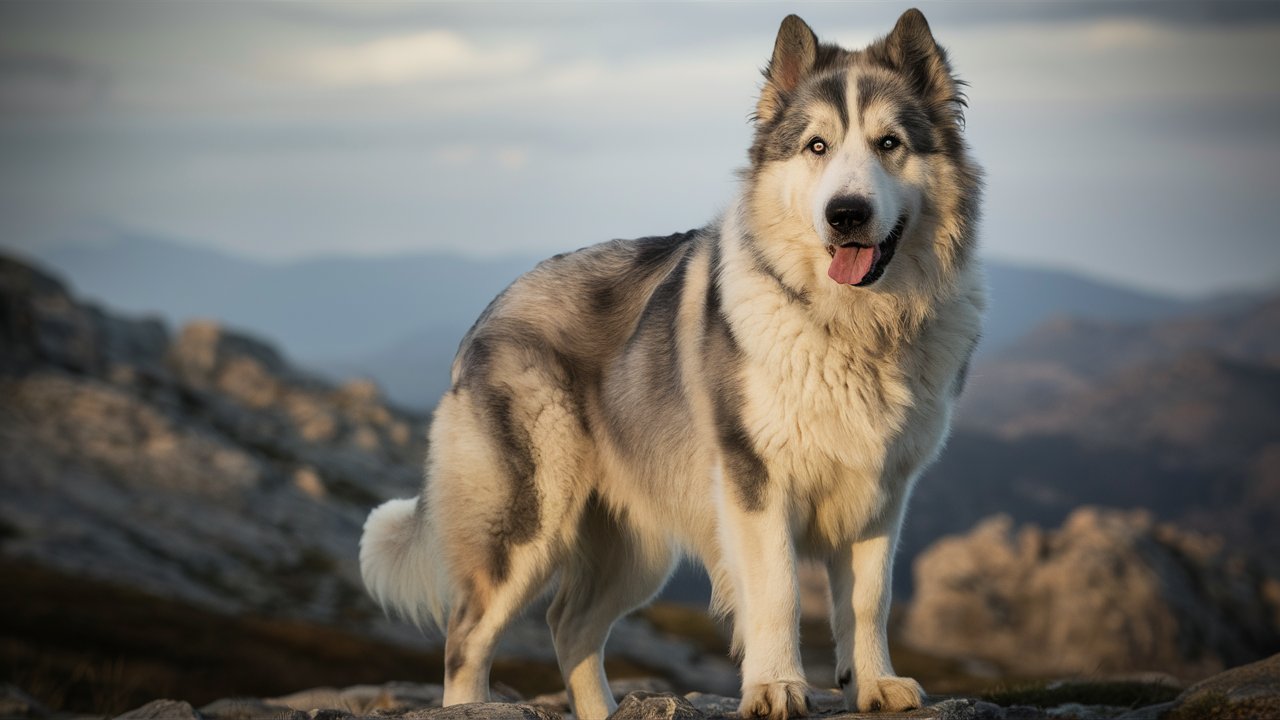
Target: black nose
point(847, 212)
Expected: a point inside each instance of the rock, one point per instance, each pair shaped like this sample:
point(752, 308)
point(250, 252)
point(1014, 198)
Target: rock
point(1251, 691)
point(483, 711)
point(643, 705)
point(824, 700)
point(1022, 712)
point(1110, 592)
point(41, 325)
point(1150, 712)
point(986, 709)
point(163, 710)
point(14, 703)
point(204, 353)
point(559, 701)
point(257, 477)
point(712, 705)
point(957, 709)
point(330, 715)
point(248, 709)
point(1077, 711)
point(365, 699)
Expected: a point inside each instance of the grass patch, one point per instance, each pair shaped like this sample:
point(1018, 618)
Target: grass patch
point(1046, 694)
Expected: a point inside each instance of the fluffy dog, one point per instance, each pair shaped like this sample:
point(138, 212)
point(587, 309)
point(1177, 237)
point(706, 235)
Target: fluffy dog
point(761, 390)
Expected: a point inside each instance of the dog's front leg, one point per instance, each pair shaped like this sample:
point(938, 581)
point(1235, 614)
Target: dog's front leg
point(761, 556)
point(861, 575)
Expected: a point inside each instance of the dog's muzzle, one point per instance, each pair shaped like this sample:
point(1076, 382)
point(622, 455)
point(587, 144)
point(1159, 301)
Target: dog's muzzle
point(858, 264)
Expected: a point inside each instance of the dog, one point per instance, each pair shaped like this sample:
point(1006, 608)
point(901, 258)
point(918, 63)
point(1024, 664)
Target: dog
point(759, 391)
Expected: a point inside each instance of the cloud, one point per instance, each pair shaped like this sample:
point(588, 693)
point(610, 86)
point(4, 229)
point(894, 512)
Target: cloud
point(43, 83)
point(1100, 63)
point(297, 128)
point(420, 56)
point(467, 155)
point(513, 158)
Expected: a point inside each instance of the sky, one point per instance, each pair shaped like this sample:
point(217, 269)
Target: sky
point(1134, 142)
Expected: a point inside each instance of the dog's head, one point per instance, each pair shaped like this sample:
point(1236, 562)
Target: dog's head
point(859, 159)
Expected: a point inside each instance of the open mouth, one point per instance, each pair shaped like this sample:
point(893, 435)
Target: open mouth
point(862, 265)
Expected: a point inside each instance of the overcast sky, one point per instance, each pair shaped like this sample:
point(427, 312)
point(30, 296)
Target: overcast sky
point(1135, 142)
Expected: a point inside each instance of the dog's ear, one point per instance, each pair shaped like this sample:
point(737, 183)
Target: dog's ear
point(794, 54)
point(913, 51)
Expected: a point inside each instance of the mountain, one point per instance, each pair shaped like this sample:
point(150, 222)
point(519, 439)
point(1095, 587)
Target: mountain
point(399, 319)
point(1069, 358)
point(1022, 298)
point(414, 370)
point(321, 309)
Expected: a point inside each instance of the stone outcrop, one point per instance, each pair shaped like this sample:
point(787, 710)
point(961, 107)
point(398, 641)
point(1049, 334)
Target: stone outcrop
point(1110, 592)
point(1251, 691)
point(201, 466)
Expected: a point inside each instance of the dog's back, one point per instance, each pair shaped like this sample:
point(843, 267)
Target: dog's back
point(578, 308)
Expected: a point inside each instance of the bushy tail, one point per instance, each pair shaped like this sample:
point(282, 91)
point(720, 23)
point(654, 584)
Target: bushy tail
point(399, 569)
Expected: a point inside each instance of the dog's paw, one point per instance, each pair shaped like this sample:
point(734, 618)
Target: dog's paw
point(891, 694)
point(775, 700)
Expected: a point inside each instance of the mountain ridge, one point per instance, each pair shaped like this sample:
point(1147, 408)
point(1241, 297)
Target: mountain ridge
point(398, 319)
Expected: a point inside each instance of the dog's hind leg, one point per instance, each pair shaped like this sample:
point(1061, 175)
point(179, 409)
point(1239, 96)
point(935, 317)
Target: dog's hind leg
point(482, 609)
point(612, 573)
point(505, 485)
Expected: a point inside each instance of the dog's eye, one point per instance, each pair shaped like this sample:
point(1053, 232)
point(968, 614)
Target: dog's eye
point(888, 142)
point(818, 146)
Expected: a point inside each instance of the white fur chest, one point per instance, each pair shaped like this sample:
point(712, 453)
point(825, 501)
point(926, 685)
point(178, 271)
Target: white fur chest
point(843, 423)
point(819, 408)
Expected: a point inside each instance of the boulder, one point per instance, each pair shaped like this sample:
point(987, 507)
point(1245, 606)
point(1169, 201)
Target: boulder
point(559, 701)
point(365, 699)
point(163, 710)
point(656, 706)
point(1109, 592)
point(483, 711)
point(249, 709)
point(1250, 691)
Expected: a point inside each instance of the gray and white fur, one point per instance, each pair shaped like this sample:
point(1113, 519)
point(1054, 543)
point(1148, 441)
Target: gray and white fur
point(765, 389)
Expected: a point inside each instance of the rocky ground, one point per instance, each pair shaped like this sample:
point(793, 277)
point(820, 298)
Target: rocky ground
point(1251, 691)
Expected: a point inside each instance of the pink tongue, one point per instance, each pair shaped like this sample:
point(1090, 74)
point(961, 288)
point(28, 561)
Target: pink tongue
point(851, 264)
